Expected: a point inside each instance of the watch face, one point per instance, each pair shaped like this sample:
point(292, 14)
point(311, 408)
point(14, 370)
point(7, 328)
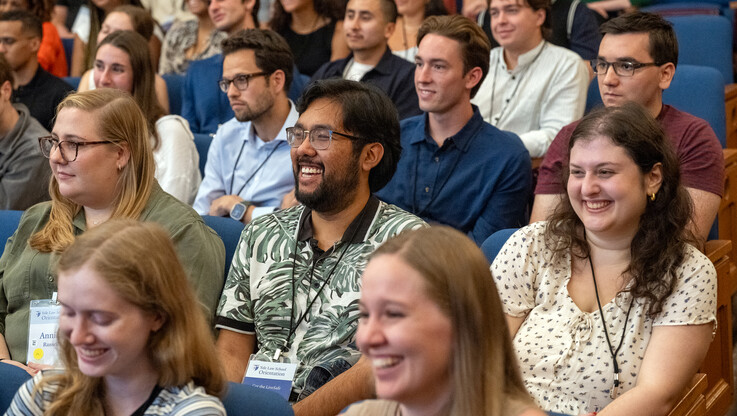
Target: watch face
point(237, 212)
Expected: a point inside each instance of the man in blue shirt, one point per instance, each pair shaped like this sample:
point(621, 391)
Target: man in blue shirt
point(248, 164)
point(455, 168)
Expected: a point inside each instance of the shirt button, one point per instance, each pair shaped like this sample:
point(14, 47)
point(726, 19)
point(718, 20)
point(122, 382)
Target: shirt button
point(427, 189)
point(316, 285)
point(51, 278)
point(513, 77)
point(437, 159)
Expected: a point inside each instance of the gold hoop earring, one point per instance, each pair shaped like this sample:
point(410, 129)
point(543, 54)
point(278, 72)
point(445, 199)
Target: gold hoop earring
point(652, 196)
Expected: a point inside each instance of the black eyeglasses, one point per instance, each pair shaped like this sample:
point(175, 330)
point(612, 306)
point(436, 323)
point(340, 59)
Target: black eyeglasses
point(320, 137)
point(67, 148)
point(621, 68)
point(240, 81)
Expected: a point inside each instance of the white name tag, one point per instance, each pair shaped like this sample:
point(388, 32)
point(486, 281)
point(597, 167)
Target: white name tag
point(276, 377)
point(42, 328)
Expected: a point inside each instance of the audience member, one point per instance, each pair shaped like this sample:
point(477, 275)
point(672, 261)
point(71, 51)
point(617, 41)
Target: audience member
point(51, 54)
point(64, 15)
point(89, 23)
point(367, 26)
point(403, 41)
point(247, 171)
point(642, 51)
point(573, 25)
point(204, 107)
point(610, 307)
point(455, 168)
point(39, 91)
point(128, 337)
point(534, 88)
point(123, 63)
point(313, 29)
point(24, 173)
point(103, 167)
point(294, 285)
point(190, 40)
point(433, 327)
point(135, 19)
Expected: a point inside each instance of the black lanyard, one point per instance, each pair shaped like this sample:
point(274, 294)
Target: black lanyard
point(292, 326)
point(612, 351)
point(235, 165)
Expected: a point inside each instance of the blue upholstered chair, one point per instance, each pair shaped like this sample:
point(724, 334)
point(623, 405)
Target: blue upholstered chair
point(73, 81)
point(8, 224)
point(202, 143)
point(705, 40)
point(12, 378)
point(245, 400)
point(495, 242)
point(174, 85)
point(229, 231)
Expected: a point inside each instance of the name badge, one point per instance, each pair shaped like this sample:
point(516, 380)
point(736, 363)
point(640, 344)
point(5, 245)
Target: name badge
point(42, 328)
point(272, 376)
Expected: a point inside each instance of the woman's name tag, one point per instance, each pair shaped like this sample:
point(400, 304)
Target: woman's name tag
point(42, 328)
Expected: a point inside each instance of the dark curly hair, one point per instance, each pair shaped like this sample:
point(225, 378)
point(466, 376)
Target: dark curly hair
point(658, 247)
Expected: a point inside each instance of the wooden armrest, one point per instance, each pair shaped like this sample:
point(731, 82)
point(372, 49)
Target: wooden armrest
point(692, 402)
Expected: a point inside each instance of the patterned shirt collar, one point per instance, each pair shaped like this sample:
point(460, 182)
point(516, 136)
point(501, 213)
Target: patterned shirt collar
point(358, 228)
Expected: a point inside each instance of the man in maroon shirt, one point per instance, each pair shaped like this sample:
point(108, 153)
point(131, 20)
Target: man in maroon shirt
point(636, 62)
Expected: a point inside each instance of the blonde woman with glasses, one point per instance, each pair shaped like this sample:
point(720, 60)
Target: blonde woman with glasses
point(103, 167)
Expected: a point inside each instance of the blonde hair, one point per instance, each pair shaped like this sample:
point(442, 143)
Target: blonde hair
point(139, 262)
point(119, 120)
point(484, 368)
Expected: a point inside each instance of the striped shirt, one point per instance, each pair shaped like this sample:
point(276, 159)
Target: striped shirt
point(190, 400)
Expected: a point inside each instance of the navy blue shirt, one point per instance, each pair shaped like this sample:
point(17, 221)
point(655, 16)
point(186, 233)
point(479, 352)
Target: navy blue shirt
point(393, 75)
point(478, 181)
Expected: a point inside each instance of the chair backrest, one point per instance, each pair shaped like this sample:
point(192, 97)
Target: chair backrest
point(73, 81)
point(697, 90)
point(229, 231)
point(9, 221)
point(68, 45)
point(202, 143)
point(174, 85)
point(705, 40)
point(245, 400)
point(495, 242)
point(12, 378)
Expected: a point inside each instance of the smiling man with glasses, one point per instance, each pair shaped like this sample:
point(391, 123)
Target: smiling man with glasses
point(636, 62)
point(24, 173)
point(293, 288)
point(247, 171)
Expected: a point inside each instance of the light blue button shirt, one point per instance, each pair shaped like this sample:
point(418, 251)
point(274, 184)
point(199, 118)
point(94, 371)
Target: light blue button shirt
point(229, 168)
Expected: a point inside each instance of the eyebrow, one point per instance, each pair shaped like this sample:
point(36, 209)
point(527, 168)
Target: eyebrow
point(316, 126)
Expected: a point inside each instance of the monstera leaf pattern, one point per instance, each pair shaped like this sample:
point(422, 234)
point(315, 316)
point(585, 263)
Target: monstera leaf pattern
point(269, 261)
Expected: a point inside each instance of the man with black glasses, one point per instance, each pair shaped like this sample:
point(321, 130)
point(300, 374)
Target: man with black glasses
point(247, 171)
point(636, 62)
point(293, 289)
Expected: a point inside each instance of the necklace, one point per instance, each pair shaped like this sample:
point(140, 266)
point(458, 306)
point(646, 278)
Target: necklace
point(612, 351)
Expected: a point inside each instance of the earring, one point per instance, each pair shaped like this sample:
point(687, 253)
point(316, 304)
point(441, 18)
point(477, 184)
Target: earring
point(652, 196)
point(120, 168)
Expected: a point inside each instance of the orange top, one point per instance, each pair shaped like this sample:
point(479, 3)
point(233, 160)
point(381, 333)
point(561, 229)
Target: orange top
point(51, 53)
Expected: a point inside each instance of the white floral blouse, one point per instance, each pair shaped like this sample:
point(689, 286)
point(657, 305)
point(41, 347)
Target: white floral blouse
point(564, 356)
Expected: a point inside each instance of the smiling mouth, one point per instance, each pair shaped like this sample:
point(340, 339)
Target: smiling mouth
point(91, 353)
point(310, 170)
point(385, 362)
point(596, 204)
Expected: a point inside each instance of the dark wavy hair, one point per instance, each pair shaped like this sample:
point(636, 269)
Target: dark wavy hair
point(658, 247)
point(367, 113)
point(280, 19)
